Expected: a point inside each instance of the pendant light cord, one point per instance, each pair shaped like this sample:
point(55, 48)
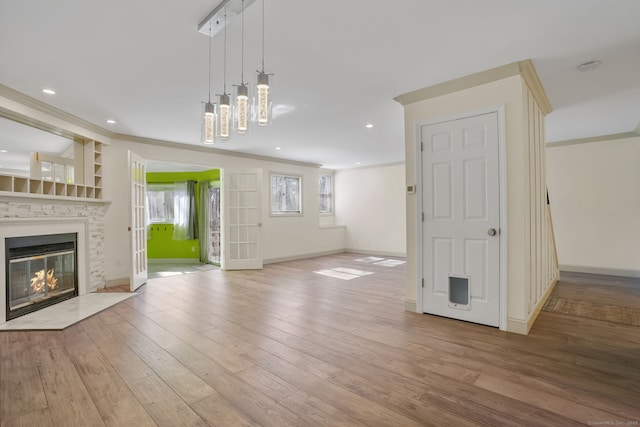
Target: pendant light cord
point(242, 49)
point(262, 35)
point(224, 79)
point(209, 62)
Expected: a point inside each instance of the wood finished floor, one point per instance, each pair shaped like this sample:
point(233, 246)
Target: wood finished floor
point(287, 347)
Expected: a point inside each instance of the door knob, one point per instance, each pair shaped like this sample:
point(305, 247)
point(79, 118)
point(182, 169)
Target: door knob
point(492, 232)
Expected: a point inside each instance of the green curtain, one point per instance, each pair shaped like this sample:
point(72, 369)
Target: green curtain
point(185, 215)
point(203, 220)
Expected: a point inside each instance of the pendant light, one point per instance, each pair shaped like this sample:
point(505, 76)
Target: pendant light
point(224, 99)
point(263, 97)
point(242, 94)
point(209, 117)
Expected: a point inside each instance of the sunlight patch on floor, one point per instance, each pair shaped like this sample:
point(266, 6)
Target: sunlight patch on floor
point(343, 273)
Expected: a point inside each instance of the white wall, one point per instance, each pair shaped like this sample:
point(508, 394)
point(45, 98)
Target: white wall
point(595, 201)
point(282, 237)
point(371, 203)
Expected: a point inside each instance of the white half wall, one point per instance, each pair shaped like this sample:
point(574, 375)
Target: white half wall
point(594, 189)
point(371, 203)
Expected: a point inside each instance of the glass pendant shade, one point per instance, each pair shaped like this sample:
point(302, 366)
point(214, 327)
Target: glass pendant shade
point(225, 116)
point(209, 124)
point(242, 108)
point(263, 99)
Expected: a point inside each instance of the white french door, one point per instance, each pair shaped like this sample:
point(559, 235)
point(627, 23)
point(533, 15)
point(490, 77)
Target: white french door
point(461, 208)
point(241, 219)
point(137, 221)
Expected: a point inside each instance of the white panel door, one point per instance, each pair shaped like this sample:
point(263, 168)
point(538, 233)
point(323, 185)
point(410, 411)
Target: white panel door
point(137, 221)
point(461, 206)
point(241, 219)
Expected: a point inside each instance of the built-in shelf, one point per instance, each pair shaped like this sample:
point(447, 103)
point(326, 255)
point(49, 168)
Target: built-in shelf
point(88, 176)
point(22, 185)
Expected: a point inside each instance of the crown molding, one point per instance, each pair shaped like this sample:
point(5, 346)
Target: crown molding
point(525, 69)
point(602, 138)
point(376, 166)
point(530, 77)
point(42, 107)
point(203, 149)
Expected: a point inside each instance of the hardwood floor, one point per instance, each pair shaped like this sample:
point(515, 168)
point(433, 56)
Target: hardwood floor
point(285, 346)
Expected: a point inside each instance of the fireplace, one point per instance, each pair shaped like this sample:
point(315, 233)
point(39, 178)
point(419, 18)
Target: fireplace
point(40, 271)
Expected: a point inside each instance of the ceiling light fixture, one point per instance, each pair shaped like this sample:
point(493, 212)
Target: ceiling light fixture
point(369, 126)
point(209, 116)
point(243, 111)
point(49, 91)
point(242, 94)
point(224, 99)
point(215, 19)
point(589, 66)
point(111, 121)
point(263, 98)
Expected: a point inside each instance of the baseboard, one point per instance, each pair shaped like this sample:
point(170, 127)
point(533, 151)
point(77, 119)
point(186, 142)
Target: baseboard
point(410, 305)
point(517, 326)
point(600, 270)
point(523, 327)
point(116, 282)
point(302, 256)
point(173, 260)
point(534, 314)
point(376, 253)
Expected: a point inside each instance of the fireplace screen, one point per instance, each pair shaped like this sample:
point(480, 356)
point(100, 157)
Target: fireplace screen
point(40, 274)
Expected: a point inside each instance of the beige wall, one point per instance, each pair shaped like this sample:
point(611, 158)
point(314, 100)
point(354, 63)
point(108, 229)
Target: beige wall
point(371, 203)
point(595, 200)
point(513, 93)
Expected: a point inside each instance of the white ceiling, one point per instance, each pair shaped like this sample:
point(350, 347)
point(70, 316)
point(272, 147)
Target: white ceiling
point(337, 63)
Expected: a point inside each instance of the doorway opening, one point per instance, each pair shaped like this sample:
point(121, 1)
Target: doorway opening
point(183, 216)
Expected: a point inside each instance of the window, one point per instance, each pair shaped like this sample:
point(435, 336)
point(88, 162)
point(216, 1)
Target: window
point(325, 194)
point(160, 202)
point(286, 195)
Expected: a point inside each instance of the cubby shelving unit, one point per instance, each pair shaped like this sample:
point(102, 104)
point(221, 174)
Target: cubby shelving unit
point(88, 185)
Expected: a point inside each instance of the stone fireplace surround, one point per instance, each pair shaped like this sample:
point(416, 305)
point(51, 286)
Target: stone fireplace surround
point(37, 216)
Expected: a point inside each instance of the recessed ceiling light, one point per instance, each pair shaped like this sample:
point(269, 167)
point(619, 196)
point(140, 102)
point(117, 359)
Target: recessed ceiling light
point(589, 66)
point(278, 148)
point(357, 163)
point(369, 126)
point(111, 122)
point(49, 91)
point(3, 151)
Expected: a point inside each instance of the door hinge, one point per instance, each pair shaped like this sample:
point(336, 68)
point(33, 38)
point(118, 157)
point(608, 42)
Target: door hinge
point(422, 216)
point(423, 282)
point(421, 146)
